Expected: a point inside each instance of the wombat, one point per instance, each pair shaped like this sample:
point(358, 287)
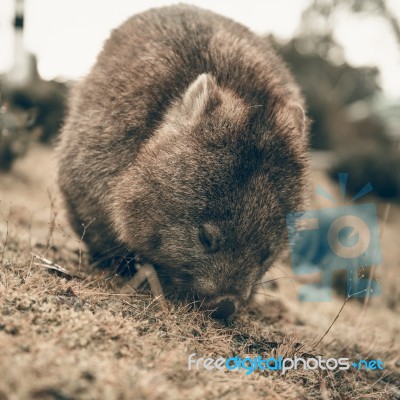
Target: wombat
point(186, 145)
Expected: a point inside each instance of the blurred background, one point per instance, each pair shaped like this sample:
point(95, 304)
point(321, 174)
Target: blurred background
point(345, 54)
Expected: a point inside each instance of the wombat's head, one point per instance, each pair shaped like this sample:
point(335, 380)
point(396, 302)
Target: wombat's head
point(207, 196)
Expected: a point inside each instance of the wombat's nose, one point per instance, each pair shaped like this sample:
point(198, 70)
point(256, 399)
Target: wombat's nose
point(224, 308)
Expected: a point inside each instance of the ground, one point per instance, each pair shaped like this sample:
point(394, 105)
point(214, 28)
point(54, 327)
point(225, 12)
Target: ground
point(77, 338)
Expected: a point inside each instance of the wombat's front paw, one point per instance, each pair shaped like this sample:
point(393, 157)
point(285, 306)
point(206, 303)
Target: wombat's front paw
point(144, 272)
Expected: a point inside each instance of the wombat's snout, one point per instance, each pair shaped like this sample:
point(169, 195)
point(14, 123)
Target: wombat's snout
point(223, 307)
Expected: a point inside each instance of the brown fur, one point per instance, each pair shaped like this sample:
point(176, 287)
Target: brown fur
point(186, 145)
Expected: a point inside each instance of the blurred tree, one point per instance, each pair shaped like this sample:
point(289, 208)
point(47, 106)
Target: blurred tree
point(329, 88)
point(318, 18)
point(45, 101)
point(13, 135)
point(31, 110)
point(342, 99)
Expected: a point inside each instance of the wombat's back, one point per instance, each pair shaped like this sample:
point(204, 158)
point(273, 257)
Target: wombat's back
point(146, 64)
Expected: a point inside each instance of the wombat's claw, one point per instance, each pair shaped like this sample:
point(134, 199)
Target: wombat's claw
point(145, 271)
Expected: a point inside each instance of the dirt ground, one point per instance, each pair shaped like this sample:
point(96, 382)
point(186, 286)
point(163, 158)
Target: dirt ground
point(68, 338)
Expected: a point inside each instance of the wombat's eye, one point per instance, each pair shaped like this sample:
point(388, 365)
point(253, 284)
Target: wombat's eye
point(210, 237)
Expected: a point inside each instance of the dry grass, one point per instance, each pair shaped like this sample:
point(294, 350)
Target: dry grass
point(74, 337)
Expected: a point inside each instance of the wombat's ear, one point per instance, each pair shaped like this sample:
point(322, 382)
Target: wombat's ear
point(291, 118)
point(300, 116)
point(201, 96)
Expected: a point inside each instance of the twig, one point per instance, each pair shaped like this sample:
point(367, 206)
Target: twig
point(372, 269)
point(28, 271)
point(80, 248)
point(337, 316)
point(273, 280)
point(51, 265)
point(53, 217)
point(109, 294)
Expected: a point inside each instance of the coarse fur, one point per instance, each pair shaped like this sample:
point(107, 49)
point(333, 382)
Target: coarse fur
point(186, 145)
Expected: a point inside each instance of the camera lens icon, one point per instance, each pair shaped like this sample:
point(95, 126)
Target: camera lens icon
point(342, 238)
point(349, 236)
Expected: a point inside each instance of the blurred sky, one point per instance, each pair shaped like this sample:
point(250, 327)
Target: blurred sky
point(66, 35)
